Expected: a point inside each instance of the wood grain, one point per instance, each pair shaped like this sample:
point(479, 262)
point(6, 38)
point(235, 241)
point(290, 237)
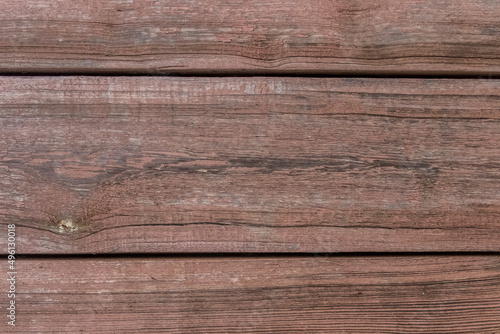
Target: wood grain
point(447, 37)
point(118, 165)
point(430, 294)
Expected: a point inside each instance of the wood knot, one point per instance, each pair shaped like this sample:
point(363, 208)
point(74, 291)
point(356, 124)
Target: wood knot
point(67, 226)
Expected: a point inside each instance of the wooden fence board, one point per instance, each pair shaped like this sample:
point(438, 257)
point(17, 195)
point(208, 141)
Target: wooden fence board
point(118, 165)
point(448, 37)
point(414, 294)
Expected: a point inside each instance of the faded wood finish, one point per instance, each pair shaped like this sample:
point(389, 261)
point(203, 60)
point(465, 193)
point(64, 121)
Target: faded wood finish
point(446, 37)
point(197, 165)
point(112, 165)
point(431, 294)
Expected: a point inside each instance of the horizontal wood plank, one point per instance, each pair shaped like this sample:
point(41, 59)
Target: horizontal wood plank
point(118, 165)
point(430, 294)
point(448, 37)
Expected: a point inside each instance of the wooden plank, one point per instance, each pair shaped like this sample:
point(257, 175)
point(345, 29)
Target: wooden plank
point(112, 165)
point(447, 37)
point(431, 294)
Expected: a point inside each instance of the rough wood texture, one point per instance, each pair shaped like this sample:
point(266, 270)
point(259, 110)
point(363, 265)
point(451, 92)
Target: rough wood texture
point(96, 164)
point(434, 294)
point(257, 36)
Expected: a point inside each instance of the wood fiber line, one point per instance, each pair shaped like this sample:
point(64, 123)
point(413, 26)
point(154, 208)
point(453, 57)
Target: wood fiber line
point(441, 294)
point(449, 37)
point(119, 165)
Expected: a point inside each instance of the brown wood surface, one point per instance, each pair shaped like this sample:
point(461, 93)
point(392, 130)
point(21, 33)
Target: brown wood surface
point(118, 165)
point(430, 294)
point(181, 168)
point(446, 37)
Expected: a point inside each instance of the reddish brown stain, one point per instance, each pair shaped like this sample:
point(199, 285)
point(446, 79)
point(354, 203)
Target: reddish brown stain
point(372, 294)
point(231, 162)
point(254, 36)
point(239, 164)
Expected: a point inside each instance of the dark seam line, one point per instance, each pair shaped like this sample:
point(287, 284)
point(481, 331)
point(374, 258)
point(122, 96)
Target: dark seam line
point(319, 255)
point(246, 74)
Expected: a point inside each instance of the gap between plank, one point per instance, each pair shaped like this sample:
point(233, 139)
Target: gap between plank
point(252, 255)
point(360, 75)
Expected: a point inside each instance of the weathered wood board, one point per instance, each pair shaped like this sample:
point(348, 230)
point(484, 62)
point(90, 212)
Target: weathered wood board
point(226, 179)
point(413, 294)
point(382, 37)
point(143, 164)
